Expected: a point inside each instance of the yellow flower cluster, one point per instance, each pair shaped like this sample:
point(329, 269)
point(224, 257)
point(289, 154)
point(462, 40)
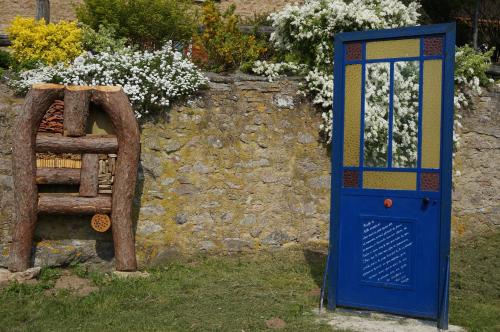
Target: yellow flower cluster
point(34, 40)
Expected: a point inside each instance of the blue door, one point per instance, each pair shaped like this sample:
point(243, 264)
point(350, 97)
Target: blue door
point(391, 178)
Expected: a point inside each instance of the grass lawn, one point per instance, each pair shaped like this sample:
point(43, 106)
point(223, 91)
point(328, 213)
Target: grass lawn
point(231, 294)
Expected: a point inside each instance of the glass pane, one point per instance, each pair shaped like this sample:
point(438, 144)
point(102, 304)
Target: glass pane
point(405, 114)
point(376, 114)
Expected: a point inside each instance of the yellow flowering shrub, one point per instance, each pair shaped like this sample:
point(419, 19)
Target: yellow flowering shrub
point(222, 46)
point(51, 43)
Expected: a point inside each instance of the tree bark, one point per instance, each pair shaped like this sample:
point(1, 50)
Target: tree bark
point(85, 144)
point(116, 104)
point(89, 181)
point(67, 204)
point(475, 27)
point(70, 176)
point(76, 110)
point(36, 103)
point(43, 10)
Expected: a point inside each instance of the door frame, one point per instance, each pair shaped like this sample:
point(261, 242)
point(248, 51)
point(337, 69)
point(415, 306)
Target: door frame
point(448, 29)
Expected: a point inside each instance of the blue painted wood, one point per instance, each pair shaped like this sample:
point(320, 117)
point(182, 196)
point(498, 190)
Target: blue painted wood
point(420, 93)
point(394, 169)
point(358, 216)
point(391, 115)
point(336, 182)
point(398, 33)
point(446, 173)
point(391, 60)
point(362, 126)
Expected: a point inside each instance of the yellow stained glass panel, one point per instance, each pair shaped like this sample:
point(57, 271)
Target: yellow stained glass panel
point(402, 48)
point(390, 180)
point(352, 114)
point(431, 114)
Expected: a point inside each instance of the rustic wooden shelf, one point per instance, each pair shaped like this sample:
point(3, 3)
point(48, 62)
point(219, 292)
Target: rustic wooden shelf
point(70, 176)
point(85, 144)
point(73, 204)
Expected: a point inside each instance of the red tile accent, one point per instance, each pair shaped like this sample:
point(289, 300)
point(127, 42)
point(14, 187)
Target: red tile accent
point(353, 51)
point(429, 182)
point(433, 46)
point(351, 179)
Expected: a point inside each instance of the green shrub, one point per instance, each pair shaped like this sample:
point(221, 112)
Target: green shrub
point(224, 45)
point(147, 23)
point(470, 63)
point(5, 59)
point(102, 40)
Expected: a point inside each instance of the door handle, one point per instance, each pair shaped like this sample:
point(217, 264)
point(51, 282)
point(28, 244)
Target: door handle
point(426, 200)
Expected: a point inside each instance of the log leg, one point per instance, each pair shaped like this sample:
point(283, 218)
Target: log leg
point(36, 104)
point(76, 109)
point(116, 104)
point(89, 181)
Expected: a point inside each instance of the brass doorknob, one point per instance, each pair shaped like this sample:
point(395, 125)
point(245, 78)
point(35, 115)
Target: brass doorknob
point(388, 203)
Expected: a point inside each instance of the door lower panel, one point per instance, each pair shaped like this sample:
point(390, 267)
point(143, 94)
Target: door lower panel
point(390, 260)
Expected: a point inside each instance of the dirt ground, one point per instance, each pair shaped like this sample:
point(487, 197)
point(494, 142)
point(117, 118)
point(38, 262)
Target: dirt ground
point(74, 284)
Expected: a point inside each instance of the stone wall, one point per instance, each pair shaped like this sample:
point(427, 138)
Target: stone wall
point(240, 167)
point(476, 195)
point(237, 168)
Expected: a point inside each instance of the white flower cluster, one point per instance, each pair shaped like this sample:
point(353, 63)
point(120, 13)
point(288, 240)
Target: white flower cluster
point(41, 74)
point(150, 79)
point(306, 32)
point(274, 70)
point(312, 26)
point(309, 30)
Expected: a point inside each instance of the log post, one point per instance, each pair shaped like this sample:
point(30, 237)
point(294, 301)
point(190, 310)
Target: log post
point(89, 176)
point(43, 10)
point(76, 109)
point(37, 102)
point(116, 104)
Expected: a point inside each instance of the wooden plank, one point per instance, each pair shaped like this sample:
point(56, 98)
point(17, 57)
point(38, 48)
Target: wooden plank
point(89, 176)
point(71, 204)
point(85, 144)
point(70, 176)
point(76, 110)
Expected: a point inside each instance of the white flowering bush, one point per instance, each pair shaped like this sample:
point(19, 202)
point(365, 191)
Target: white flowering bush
point(304, 36)
point(307, 30)
point(151, 79)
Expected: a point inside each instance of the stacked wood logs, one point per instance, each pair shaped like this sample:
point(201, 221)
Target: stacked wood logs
point(108, 165)
point(52, 121)
point(107, 173)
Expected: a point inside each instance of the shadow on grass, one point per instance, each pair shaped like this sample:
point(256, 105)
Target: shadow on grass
point(316, 259)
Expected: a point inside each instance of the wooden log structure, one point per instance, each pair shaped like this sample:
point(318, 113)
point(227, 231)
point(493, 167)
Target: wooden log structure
point(86, 144)
point(116, 104)
point(126, 144)
point(37, 102)
point(89, 181)
point(69, 176)
point(70, 204)
point(76, 110)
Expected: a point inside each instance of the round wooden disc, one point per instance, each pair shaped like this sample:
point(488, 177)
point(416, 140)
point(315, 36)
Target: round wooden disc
point(100, 222)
